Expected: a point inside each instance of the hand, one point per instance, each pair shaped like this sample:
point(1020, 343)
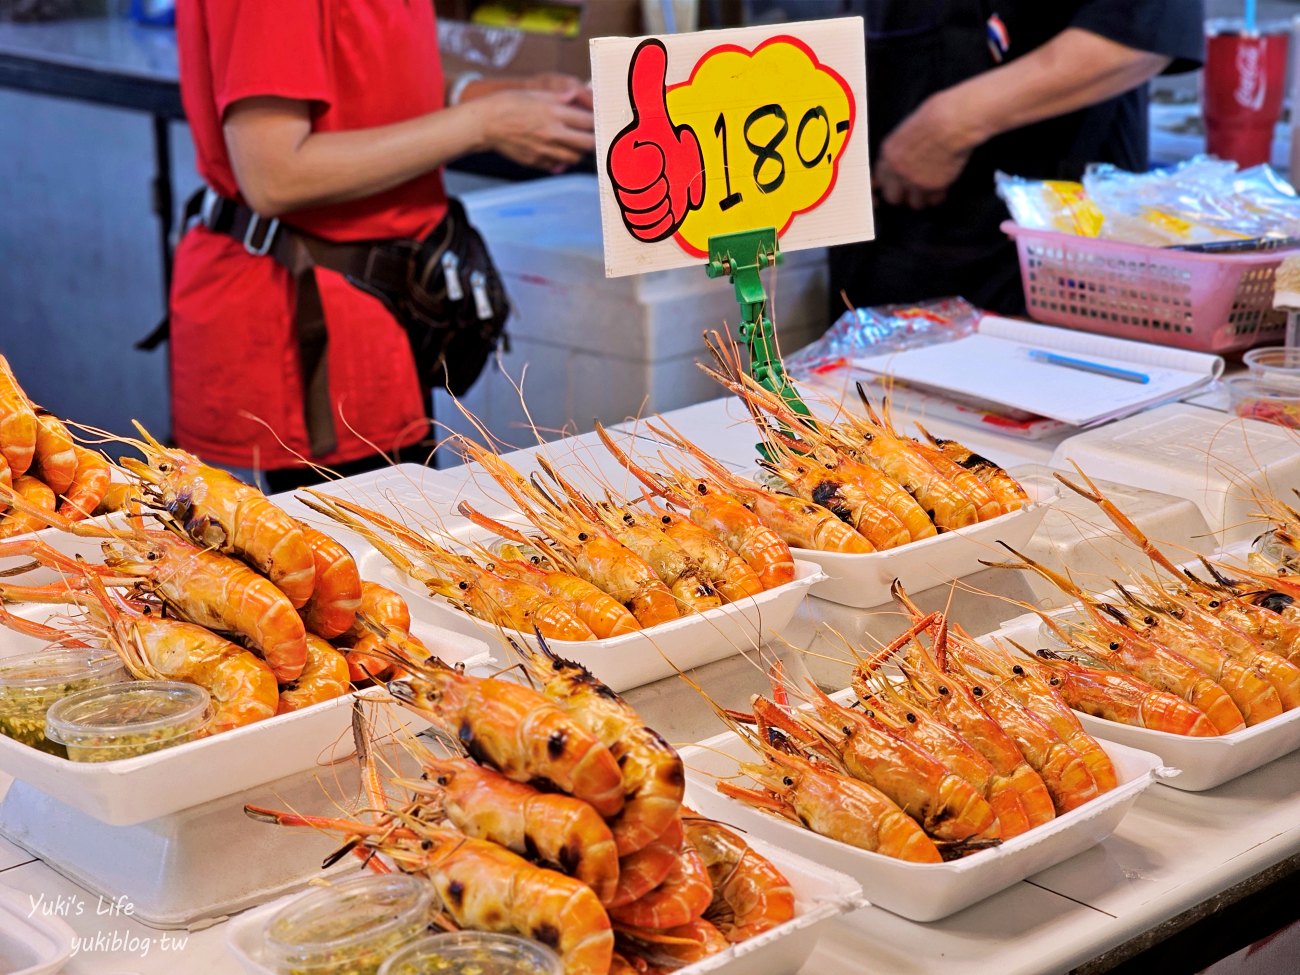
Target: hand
point(577, 92)
point(925, 154)
point(657, 168)
point(543, 129)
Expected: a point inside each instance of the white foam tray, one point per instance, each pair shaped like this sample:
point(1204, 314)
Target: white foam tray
point(637, 658)
point(924, 891)
point(1206, 762)
point(820, 894)
point(31, 942)
point(864, 580)
point(132, 790)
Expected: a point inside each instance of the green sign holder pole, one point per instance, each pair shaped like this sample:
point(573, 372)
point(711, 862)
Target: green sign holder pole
point(741, 257)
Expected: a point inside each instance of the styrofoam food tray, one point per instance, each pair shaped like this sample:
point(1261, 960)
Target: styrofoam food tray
point(1206, 762)
point(31, 942)
point(637, 658)
point(924, 891)
point(864, 580)
point(133, 790)
point(820, 894)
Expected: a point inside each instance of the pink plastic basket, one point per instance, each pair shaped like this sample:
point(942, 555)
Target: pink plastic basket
point(1206, 302)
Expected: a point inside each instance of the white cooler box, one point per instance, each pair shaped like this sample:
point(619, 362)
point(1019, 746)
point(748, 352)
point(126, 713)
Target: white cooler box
point(600, 348)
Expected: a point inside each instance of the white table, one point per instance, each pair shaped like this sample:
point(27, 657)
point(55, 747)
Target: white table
point(1173, 852)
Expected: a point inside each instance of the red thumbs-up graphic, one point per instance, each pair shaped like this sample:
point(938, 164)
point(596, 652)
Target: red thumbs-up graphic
point(656, 167)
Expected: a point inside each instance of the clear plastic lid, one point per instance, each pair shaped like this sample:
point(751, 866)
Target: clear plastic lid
point(360, 921)
point(148, 712)
point(1278, 364)
point(56, 668)
point(474, 953)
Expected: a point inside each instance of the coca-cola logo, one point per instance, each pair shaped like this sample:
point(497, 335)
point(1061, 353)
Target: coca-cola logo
point(1252, 82)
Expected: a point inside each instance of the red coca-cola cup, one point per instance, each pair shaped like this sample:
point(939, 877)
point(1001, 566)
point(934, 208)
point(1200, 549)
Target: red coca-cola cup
point(1242, 88)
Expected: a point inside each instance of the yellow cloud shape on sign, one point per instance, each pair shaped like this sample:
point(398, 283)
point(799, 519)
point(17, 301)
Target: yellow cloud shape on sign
point(772, 125)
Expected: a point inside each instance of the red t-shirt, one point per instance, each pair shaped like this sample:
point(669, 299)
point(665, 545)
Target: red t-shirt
point(236, 387)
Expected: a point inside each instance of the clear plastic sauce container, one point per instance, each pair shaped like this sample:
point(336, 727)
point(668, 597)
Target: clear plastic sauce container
point(31, 682)
point(128, 719)
point(474, 953)
point(1277, 365)
point(348, 928)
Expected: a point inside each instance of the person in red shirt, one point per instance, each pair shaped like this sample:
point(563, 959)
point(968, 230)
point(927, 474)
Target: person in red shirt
point(330, 114)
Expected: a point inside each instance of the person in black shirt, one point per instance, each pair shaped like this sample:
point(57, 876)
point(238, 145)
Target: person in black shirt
point(958, 89)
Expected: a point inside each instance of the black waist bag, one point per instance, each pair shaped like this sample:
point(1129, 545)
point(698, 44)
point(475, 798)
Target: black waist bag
point(454, 306)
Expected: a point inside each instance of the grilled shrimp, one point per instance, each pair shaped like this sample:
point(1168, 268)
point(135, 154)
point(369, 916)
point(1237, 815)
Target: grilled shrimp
point(153, 647)
point(603, 614)
point(684, 895)
point(1041, 696)
point(201, 586)
point(33, 492)
point(221, 512)
point(517, 731)
point(727, 572)
point(750, 895)
point(947, 807)
point(55, 462)
point(679, 572)
point(559, 832)
point(1118, 645)
point(486, 594)
point(709, 507)
point(383, 610)
point(485, 887)
point(1123, 698)
point(336, 589)
point(647, 868)
point(18, 427)
point(90, 485)
point(1004, 488)
point(833, 805)
point(654, 779)
point(324, 677)
point(955, 704)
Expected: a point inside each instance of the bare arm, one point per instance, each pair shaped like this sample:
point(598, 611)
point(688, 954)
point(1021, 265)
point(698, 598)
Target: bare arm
point(282, 165)
point(922, 157)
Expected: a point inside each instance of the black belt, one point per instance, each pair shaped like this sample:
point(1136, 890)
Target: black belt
point(381, 268)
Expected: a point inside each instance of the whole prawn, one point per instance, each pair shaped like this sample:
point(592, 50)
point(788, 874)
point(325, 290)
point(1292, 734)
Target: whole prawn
point(18, 426)
point(750, 895)
point(654, 779)
point(560, 832)
point(712, 509)
point(517, 731)
point(219, 511)
point(833, 805)
point(201, 586)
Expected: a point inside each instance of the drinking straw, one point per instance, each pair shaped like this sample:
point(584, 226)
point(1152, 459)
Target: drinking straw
point(1250, 16)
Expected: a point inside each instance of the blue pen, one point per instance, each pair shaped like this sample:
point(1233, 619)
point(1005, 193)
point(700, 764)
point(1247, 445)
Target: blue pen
point(1085, 365)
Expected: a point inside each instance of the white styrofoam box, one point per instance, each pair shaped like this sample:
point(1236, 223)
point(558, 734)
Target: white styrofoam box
point(177, 871)
point(1205, 762)
point(637, 658)
point(1076, 538)
point(1213, 460)
point(32, 942)
point(820, 894)
point(133, 790)
point(865, 580)
point(606, 348)
point(922, 891)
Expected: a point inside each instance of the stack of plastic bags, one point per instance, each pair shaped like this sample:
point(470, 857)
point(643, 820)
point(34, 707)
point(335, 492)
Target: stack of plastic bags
point(1202, 201)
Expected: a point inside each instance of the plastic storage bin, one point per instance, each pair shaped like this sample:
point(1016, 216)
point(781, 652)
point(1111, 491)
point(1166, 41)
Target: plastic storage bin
point(1206, 302)
point(605, 348)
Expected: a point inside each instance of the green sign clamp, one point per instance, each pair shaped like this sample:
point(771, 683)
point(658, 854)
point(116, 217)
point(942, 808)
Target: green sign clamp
point(741, 257)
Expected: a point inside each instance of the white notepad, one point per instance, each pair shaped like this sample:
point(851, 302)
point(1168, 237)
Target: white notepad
point(994, 365)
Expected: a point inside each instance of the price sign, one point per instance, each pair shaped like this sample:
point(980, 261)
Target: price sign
point(718, 132)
